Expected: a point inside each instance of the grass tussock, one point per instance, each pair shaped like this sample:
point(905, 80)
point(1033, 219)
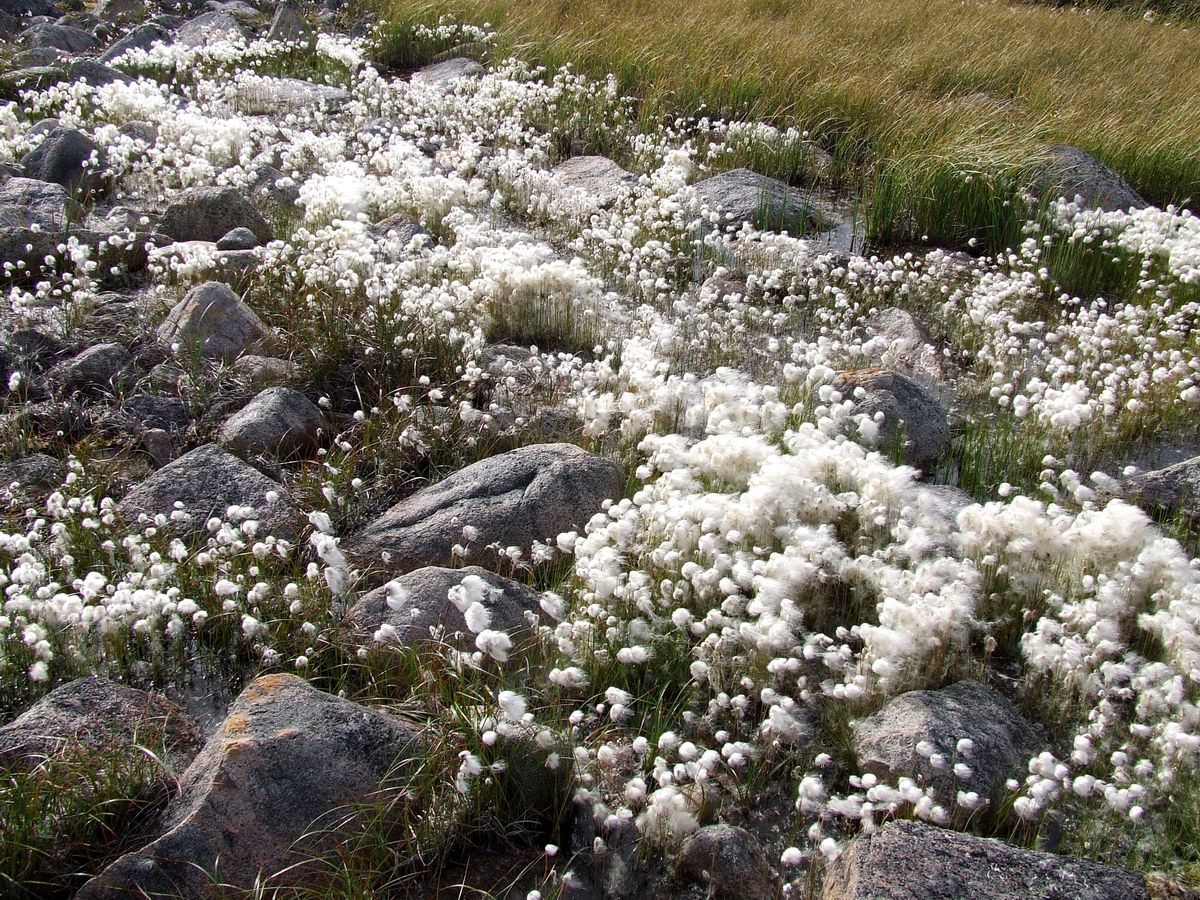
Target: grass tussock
point(936, 111)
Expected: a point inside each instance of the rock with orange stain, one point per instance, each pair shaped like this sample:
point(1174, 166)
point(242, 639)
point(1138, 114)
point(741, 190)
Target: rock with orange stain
point(250, 805)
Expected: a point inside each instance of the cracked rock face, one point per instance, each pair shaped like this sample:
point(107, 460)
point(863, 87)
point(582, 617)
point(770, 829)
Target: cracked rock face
point(526, 495)
point(286, 755)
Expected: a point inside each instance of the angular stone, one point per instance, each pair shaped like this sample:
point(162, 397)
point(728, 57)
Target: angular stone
point(1069, 172)
point(766, 203)
point(37, 470)
point(148, 411)
point(68, 157)
point(286, 755)
point(274, 192)
point(38, 56)
point(62, 37)
point(281, 96)
point(288, 23)
point(239, 238)
point(265, 371)
point(445, 73)
point(21, 8)
point(1174, 489)
point(95, 713)
point(210, 213)
point(423, 604)
point(899, 342)
point(886, 742)
point(97, 371)
point(213, 319)
point(597, 180)
point(399, 228)
point(141, 38)
point(208, 481)
point(516, 498)
point(94, 73)
point(26, 202)
point(279, 422)
point(907, 860)
point(729, 861)
point(209, 28)
point(909, 411)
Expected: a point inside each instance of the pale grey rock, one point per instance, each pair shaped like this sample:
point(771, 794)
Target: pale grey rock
point(516, 498)
point(265, 371)
point(766, 203)
point(1174, 489)
point(213, 319)
point(729, 861)
point(209, 28)
point(286, 755)
point(119, 10)
point(97, 371)
point(37, 56)
point(273, 192)
point(141, 38)
point(1071, 173)
point(68, 157)
point(278, 422)
point(886, 742)
point(281, 96)
point(426, 606)
point(899, 342)
point(207, 481)
point(95, 713)
point(288, 23)
point(239, 238)
point(909, 411)
point(595, 180)
point(94, 73)
point(62, 37)
point(907, 860)
point(26, 202)
point(210, 213)
point(445, 73)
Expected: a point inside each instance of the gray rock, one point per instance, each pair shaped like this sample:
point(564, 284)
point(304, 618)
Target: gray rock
point(208, 481)
point(211, 318)
point(150, 411)
point(729, 861)
point(21, 8)
point(209, 28)
point(1175, 489)
point(63, 37)
point(1071, 173)
point(37, 56)
point(899, 342)
point(427, 606)
point(445, 73)
point(597, 179)
point(31, 78)
point(95, 713)
point(203, 259)
point(909, 412)
point(399, 227)
point(279, 422)
point(141, 38)
point(265, 371)
point(534, 493)
point(239, 238)
point(38, 349)
point(97, 371)
point(766, 203)
point(25, 251)
point(159, 445)
point(910, 861)
point(210, 213)
point(288, 23)
point(68, 157)
point(119, 10)
point(886, 743)
point(721, 290)
point(94, 73)
point(285, 95)
point(28, 202)
point(286, 756)
point(37, 470)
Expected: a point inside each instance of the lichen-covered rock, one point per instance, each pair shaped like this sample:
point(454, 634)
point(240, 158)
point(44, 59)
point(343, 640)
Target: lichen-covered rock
point(910, 413)
point(286, 755)
point(742, 195)
point(208, 481)
point(141, 38)
point(516, 498)
point(910, 861)
point(240, 238)
point(595, 180)
point(265, 371)
point(278, 422)
point(1001, 741)
point(417, 604)
point(210, 213)
point(96, 713)
point(729, 861)
point(212, 319)
point(99, 370)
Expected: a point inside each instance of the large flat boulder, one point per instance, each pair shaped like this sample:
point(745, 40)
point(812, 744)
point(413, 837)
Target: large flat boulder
point(207, 481)
point(1069, 172)
point(889, 744)
point(516, 498)
point(286, 755)
point(910, 861)
point(594, 181)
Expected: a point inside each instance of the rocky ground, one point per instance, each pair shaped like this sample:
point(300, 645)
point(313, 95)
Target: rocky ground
point(438, 502)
